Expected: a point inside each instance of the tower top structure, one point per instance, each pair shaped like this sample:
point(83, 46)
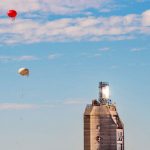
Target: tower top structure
point(104, 93)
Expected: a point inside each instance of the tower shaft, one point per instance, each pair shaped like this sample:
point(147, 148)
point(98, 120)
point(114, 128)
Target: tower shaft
point(103, 128)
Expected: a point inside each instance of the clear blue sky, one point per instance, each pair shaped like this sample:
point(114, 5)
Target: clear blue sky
point(69, 47)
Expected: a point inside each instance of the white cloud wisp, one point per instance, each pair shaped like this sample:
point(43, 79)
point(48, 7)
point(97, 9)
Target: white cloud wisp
point(75, 29)
point(19, 106)
point(54, 6)
point(18, 58)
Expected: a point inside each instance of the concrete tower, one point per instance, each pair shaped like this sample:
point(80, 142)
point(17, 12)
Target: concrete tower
point(103, 128)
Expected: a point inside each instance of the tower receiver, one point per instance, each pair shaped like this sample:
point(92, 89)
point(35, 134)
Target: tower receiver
point(103, 92)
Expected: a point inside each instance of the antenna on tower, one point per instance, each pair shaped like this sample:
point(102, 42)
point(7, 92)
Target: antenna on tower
point(103, 92)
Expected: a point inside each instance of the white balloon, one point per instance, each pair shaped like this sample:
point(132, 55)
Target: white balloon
point(23, 71)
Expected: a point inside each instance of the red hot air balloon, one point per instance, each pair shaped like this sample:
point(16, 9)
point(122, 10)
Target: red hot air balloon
point(12, 14)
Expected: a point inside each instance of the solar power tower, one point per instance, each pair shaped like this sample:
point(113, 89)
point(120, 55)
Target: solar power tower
point(103, 128)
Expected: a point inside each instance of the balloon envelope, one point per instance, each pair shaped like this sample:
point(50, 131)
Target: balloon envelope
point(12, 13)
point(23, 71)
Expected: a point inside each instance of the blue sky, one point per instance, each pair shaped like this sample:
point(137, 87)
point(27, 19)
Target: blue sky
point(69, 47)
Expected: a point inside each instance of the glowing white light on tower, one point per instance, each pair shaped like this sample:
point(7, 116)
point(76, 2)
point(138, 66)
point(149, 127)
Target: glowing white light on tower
point(105, 92)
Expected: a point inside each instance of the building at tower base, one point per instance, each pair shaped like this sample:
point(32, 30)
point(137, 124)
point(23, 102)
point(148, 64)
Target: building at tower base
point(103, 128)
